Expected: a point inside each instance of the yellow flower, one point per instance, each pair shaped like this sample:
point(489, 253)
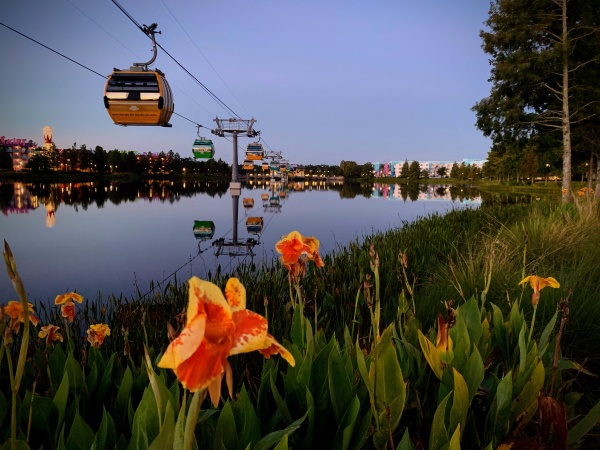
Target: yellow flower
point(69, 296)
point(97, 333)
point(217, 327)
point(50, 332)
point(537, 284)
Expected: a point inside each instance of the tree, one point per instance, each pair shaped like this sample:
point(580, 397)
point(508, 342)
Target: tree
point(540, 79)
point(38, 164)
point(442, 171)
point(404, 170)
point(454, 172)
point(5, 160)
point(414, 171)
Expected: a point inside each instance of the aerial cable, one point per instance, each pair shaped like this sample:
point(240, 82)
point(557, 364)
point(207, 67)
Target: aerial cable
point(204, 56)
point(52, 50)
point(208, 91)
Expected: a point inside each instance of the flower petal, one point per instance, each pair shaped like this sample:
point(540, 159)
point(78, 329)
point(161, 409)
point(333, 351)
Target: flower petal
point(184, 346)
point(235, 293)
point(203, 366)
point(272, 347)
point(550, 282)
point(202, 292)
point(250, 332)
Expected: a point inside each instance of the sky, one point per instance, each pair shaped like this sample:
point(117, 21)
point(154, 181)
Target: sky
point(326, 81)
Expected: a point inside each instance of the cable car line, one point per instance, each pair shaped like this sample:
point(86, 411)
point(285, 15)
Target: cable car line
point(52, 50)
point(208, 91)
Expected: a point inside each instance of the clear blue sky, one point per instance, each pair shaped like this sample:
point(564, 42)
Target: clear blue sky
point(326, 80)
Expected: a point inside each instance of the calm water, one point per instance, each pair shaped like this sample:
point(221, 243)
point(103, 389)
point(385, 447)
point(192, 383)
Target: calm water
point(112, 237)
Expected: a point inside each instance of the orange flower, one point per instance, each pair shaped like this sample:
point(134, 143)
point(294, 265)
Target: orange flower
point(97, 333)
point(14, 310)
point(296, 250)
point(537, 284)
point(50, 332)
point(68, 297)
point(217, 327)
point(68, 311)
point(68, 307)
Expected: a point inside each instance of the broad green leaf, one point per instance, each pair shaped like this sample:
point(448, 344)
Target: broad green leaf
point(439, 435)
point(178, 438)
point(545, 337)
point(81, 435)
point(472, 318)
point(75, 374)
point(364, 373)
point(459, 334)
point(56, 363)
point(475, 373)
point(584, 425)
point(226, 431)
point(44, 414)
point(297, 333)
point(460, 403)
point(92, 378)
point(18, 445)
point(165, 438)
point(431, 355)
point(529, 394)
point(192, 419)
point(405, 442)
point(247, 421)
point(106, 436)
point(123, 396)
point(501, 413)
point(145, 422)
point(345, 430)
point(305, 367)
point(273, 438)
point(340, 386)
point(281, 404)
point(106, 377)
point(60, 400)
point(455, 439)
point(283, 443)
point(3, 407)
point(499, 332)
point(309, 435)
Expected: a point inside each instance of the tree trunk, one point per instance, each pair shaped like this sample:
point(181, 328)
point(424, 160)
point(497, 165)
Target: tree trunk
point(567, 196)
point(597, 191)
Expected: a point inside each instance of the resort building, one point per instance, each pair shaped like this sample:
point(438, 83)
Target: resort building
point(394, 168)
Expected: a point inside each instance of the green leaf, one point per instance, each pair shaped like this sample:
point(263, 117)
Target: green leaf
point(459, 334)
point(92, 378)
point(340, 386)
point(460, 403)
point(178, 438)
point(273, 438)
point(431, 355)
point(283, 443)
point(405, 443)
point(44, 414)
point(165, 437)
point(545, 337)
point(247, 421)
point(281, 404)
point(146, 425)
point(60, 400)
point(500, 412)
point(584, 425)
point(455, 439)
point(528, 396)
point(297, 332)
point(226, 431)
point(122, 401)
point(18, 445)
point(56, 363)
point(106, 437)
point(81, 435)
point(106, 377)
point(439, 435)
point(75, 374)
point(343, 437)
point(192, 419)
point(3, 407)
point(472, 318)
point(475, 373)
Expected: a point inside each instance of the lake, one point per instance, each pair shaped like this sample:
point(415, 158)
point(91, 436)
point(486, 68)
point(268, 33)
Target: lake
point(114, 238)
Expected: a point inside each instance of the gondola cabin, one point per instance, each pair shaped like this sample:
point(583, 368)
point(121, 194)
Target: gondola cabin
point(283, 168)
point(138, 97)
point(248, 165)
point(264, 197)
point(204, 229)
point(274, 201)
point(254, 151)
point(254, 225)
point(282, 194)
point(274, 165)
point(248, 202)
point(203, 148)
point(265, 166)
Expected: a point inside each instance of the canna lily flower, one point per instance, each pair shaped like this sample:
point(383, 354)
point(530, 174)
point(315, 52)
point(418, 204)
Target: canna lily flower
point(296, 250)
point(14, 310)
point(68, 297)
point(537, 284)
point(97, 333)
point(217, 327)
point(67, 308)
point(51, 333)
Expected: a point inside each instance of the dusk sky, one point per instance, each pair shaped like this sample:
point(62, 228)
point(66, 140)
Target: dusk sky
point(326, 80)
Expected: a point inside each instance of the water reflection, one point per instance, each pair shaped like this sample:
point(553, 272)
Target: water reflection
point(118, 237)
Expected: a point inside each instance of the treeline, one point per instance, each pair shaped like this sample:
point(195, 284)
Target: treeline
point(543, 111)
point(118, 161)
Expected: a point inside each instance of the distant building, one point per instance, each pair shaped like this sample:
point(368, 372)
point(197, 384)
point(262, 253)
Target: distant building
point(394, 168)
point(20, 150)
